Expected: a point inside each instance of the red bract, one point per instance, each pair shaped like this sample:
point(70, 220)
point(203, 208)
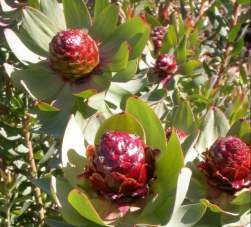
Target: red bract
point(227, 164)
point(73, 53)
point(120, 167)
point(179, 132)
point(157, 36)
point(165, 64)
point(164, 13)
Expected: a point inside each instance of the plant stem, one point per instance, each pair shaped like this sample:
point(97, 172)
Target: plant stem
point(8, 220)
point(33, 168)
point(4, 110)
point(226, 56)
point(203, 8)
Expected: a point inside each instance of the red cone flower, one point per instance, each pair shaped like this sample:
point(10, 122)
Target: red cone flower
point(227, 164)
point(120, 167)
point(165, 64)
point(179, 132)
point(73, 53)
point(157, 36)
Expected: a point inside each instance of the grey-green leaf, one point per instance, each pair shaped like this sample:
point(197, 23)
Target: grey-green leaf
point(52, 9)
point(40, 29)
point(76, 14)
point(214, 125)
point(105, 23)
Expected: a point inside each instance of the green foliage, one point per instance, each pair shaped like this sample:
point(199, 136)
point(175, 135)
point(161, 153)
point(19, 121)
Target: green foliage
point(47, 123)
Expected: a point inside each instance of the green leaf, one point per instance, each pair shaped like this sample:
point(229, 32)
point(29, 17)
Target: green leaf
point(134, 31)
point(193, 38)
point(30, 43)
point(215, 208)
point(119, 60)
point(182, 188)
point(169, 163)
point(86, 94)
point(52, 9)
point(97, 82)
point(155, 95)
point(40, 29)
point(74, 168)
point(36, 79)
point(243, 74)
point(50, 153)
point(20, 50)
point(188, 67)
point(237, 47)
point(210, 219)
point(155, 135)
point(183, 117)
point(97, 102)
point(54, 123)
point(233, 33)
point(242, 197)
point(90, 125)
point(76, 14)
point(34, 3)
point(68, 144)
point(43, 183)
point(181, 52)
point(187, 215)
point(214, 125)
point(117, 95)
point(105, 23)
point(188, 146)
point(241, 129)
point(119, 92)
point(242, 221)
point(138, 42)
point(64, 100)
point(84, 207)
point(123, 122)
point(168, 166)
point(152, 20)
point(238, 108)
point(244, 2)
point(60, 190)
point(56, 223)
point(181, 27)
point(126, 74)
point(170, 39)
point(46, 107)
point(99, 6)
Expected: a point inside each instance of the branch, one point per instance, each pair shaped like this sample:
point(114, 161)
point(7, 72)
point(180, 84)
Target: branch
point(223, 65)
point(33, 168)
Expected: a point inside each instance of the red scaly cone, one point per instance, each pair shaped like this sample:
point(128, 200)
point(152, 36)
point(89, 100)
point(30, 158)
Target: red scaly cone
point(157, 36)
point(73, 54)
point(227, 164)
point(120, 167)
point(165, 65)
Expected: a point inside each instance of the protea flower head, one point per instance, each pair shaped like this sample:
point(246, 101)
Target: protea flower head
point(165, 64)
point(73, 53)
point(179, 132)
point(157, 36)
point(120, 167)
point(227, 164)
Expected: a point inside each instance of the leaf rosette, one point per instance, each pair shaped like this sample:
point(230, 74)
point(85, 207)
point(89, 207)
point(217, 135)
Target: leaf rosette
point(67, 54)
